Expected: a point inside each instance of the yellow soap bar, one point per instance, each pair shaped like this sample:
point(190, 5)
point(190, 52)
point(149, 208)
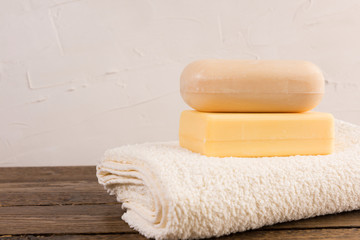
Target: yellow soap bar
point(256, 134)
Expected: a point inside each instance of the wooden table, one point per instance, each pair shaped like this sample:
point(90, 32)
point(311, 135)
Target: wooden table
point(68, 203)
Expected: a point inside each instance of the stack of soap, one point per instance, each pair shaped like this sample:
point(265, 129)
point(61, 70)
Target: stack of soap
point(254, 108)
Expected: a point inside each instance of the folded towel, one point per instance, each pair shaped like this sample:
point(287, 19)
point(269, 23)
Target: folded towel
point(172, 193)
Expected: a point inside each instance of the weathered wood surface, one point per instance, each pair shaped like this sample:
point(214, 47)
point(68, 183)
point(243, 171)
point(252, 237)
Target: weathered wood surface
point(53, 193)
point(325, 234)
point(68, 203)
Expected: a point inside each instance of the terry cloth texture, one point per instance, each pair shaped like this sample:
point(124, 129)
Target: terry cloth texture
point(171, 193)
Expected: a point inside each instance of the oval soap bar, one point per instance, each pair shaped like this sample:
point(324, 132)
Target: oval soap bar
point(216, 85)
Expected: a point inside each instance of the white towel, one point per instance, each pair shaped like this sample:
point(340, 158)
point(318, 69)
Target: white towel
point(172, 193)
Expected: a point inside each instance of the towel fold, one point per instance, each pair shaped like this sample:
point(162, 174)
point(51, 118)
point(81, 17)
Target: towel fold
point(171, 193)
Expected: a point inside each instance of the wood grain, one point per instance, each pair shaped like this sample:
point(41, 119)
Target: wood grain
point(352, 234)
point(53, 193)
point(346, 219)
point(36, 186)
point(62, 219)
point(42, 174)
point(107, 219)
point(68, 203)
point(130, 236)
point(331, 234)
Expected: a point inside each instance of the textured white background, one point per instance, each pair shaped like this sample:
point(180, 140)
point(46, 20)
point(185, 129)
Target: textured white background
point(78, 77)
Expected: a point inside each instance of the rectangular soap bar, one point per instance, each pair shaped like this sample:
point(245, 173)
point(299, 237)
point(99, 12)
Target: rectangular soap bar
point(229, 85)
point(257, 134)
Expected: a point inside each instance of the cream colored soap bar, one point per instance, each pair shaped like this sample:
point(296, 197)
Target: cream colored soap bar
point(257, 134)
point(252, 85)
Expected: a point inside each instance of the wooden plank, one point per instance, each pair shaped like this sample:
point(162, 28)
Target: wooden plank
point(346, 219)
point(107, 219)
point(68, 219)
point(331, 234)
point(348, 233)
point(53, 193)
point(129, 236)
point(78, 185)
point(41, 174)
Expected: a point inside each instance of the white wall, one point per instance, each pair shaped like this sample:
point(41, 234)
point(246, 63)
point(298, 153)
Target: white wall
point(78, 77)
